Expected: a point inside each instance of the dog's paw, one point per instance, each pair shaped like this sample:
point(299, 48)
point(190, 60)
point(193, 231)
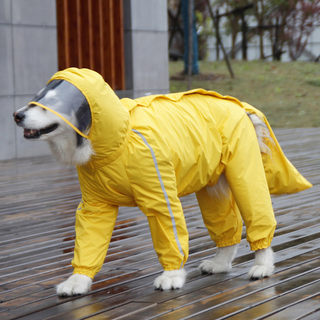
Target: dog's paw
point(213, 266)
point(74, 285)
point(174, 279)
point(263, 264)
point(258, 272)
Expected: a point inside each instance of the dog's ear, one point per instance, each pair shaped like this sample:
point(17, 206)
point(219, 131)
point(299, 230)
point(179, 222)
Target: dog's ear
point(83, 116)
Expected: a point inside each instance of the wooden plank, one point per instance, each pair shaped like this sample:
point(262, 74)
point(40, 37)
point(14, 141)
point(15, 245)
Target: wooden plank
point(90, 34)
point(38, 200)
point(118, 43)
point(302, 306)
point(106, 301)
point(237, 296)
point(62, 34)
point(107, 34)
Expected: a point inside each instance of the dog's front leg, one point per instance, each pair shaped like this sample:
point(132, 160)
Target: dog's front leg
point(155, 192)
point(173, 279)
point(94, 226)
point(263, 264)
point(76, 284)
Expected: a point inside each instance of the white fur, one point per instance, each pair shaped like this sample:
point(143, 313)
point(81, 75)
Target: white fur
point(62, 141)
point(66, 151)
point(74, 285)
point(262, 132)
point(263, 264)
point(222, 261)
point(37, 118)
point(173, 279)
point(220, 189)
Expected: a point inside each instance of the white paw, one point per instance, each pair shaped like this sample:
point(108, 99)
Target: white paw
point(213, 266)
point(263, 264)
point(74, 285)
point(259, 272)
point(222, 262)
point(173, 279)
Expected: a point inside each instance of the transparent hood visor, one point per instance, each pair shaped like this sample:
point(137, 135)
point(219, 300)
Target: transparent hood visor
point(66, 101)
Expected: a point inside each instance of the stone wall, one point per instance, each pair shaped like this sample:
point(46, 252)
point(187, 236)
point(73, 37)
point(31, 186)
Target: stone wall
point(28, 57)
point(146, 46)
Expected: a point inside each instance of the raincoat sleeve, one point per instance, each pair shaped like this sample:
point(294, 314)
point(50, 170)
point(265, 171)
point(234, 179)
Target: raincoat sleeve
point(153, 181)
point(94, 226)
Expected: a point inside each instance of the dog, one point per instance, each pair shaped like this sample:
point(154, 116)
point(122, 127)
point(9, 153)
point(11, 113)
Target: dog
point(68, 134)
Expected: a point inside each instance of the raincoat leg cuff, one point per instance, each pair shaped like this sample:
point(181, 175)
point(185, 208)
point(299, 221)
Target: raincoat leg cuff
point(222, 244)
point(260, 244)
point(171, 267)
point(87, 272)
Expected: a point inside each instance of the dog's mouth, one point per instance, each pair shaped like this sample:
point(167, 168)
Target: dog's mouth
point(37, 133)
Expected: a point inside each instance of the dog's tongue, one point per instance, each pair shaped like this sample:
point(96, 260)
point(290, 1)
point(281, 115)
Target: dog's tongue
point(31, 133)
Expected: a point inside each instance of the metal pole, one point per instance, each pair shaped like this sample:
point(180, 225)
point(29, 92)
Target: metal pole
point(190, 42)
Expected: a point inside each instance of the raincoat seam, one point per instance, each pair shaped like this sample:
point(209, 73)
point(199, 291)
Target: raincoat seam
point(180, 96)
point(163, 190)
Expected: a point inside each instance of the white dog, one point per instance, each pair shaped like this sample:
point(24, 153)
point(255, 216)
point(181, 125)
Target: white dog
point(148, 152)
point(70, 148)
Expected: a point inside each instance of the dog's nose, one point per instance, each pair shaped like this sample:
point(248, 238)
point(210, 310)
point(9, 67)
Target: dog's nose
point(18, 116)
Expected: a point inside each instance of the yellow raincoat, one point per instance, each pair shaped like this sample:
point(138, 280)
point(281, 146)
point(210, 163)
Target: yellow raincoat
point(150, 151)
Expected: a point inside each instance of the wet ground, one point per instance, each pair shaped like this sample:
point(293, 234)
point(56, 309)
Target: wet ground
point(38, 198)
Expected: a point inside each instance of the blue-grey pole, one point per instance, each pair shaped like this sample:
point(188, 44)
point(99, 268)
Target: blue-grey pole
point(186, 28)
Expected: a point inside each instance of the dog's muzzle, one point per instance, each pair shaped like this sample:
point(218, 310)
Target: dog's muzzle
point(32, 133)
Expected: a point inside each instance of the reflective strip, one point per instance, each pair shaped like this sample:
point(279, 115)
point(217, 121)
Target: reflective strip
point(164, 192)
point(61, 117)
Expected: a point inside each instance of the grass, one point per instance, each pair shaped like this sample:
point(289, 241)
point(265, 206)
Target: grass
point(288, 93)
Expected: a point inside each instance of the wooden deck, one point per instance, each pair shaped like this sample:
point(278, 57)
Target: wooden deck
point(38, 198)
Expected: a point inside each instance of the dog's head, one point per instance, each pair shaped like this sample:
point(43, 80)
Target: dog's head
point(56, 109)
point(79, 115)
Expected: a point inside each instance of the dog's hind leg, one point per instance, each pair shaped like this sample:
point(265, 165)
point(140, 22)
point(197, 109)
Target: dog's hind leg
point(263, 264)
point(247, 180)
point(222, 262)
point(222, 218)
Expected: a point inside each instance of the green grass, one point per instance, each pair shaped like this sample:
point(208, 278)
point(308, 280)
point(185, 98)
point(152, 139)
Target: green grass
point(288, 93)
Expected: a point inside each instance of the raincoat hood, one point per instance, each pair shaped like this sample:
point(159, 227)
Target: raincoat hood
point(109, 118)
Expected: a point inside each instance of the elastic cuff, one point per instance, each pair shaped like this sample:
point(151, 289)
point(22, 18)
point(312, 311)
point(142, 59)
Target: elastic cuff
point(260, 244)
point(173, 267)
point(170, 267)
point(228, 243)
point(87, 272)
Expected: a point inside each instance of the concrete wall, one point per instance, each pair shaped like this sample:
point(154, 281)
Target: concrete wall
point(146, 46)
point(28, 57)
